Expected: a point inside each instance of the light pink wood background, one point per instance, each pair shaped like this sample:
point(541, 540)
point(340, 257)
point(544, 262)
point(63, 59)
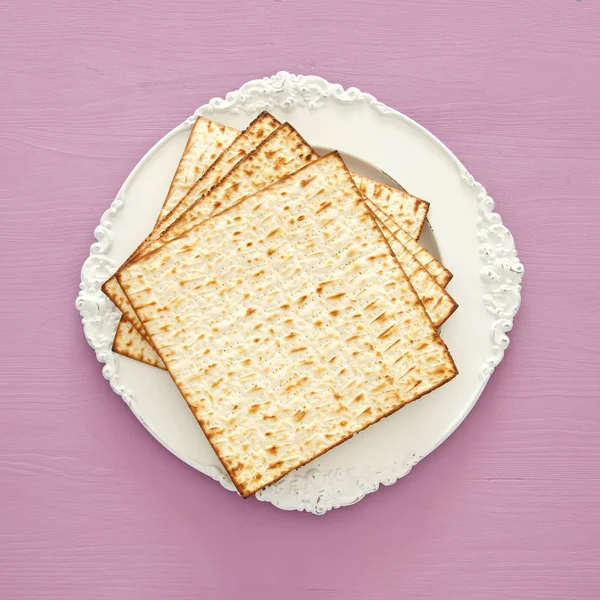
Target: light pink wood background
point(92, 507)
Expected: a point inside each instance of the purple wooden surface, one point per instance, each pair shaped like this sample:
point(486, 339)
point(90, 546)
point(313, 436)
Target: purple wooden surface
point(92, 507)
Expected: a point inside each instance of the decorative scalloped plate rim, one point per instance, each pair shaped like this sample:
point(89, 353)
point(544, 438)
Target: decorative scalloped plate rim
point(474, 244)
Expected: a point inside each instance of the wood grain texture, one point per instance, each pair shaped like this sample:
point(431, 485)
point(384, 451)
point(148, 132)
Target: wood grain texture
point(92, 507)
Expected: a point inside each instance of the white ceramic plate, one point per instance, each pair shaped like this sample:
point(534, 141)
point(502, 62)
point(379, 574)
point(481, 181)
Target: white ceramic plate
point(464, 232)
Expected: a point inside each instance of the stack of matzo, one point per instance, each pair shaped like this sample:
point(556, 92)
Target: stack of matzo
point(288, 298)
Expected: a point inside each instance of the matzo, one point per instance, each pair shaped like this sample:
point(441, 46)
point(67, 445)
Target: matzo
point(437, 301)
point(256, 132)
point(129, 342)
point(206, 142)
point(286, 145)
point(282, 153)
point(397, 204)
point(260, 129)
point(287, 324)
point(435, 267)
